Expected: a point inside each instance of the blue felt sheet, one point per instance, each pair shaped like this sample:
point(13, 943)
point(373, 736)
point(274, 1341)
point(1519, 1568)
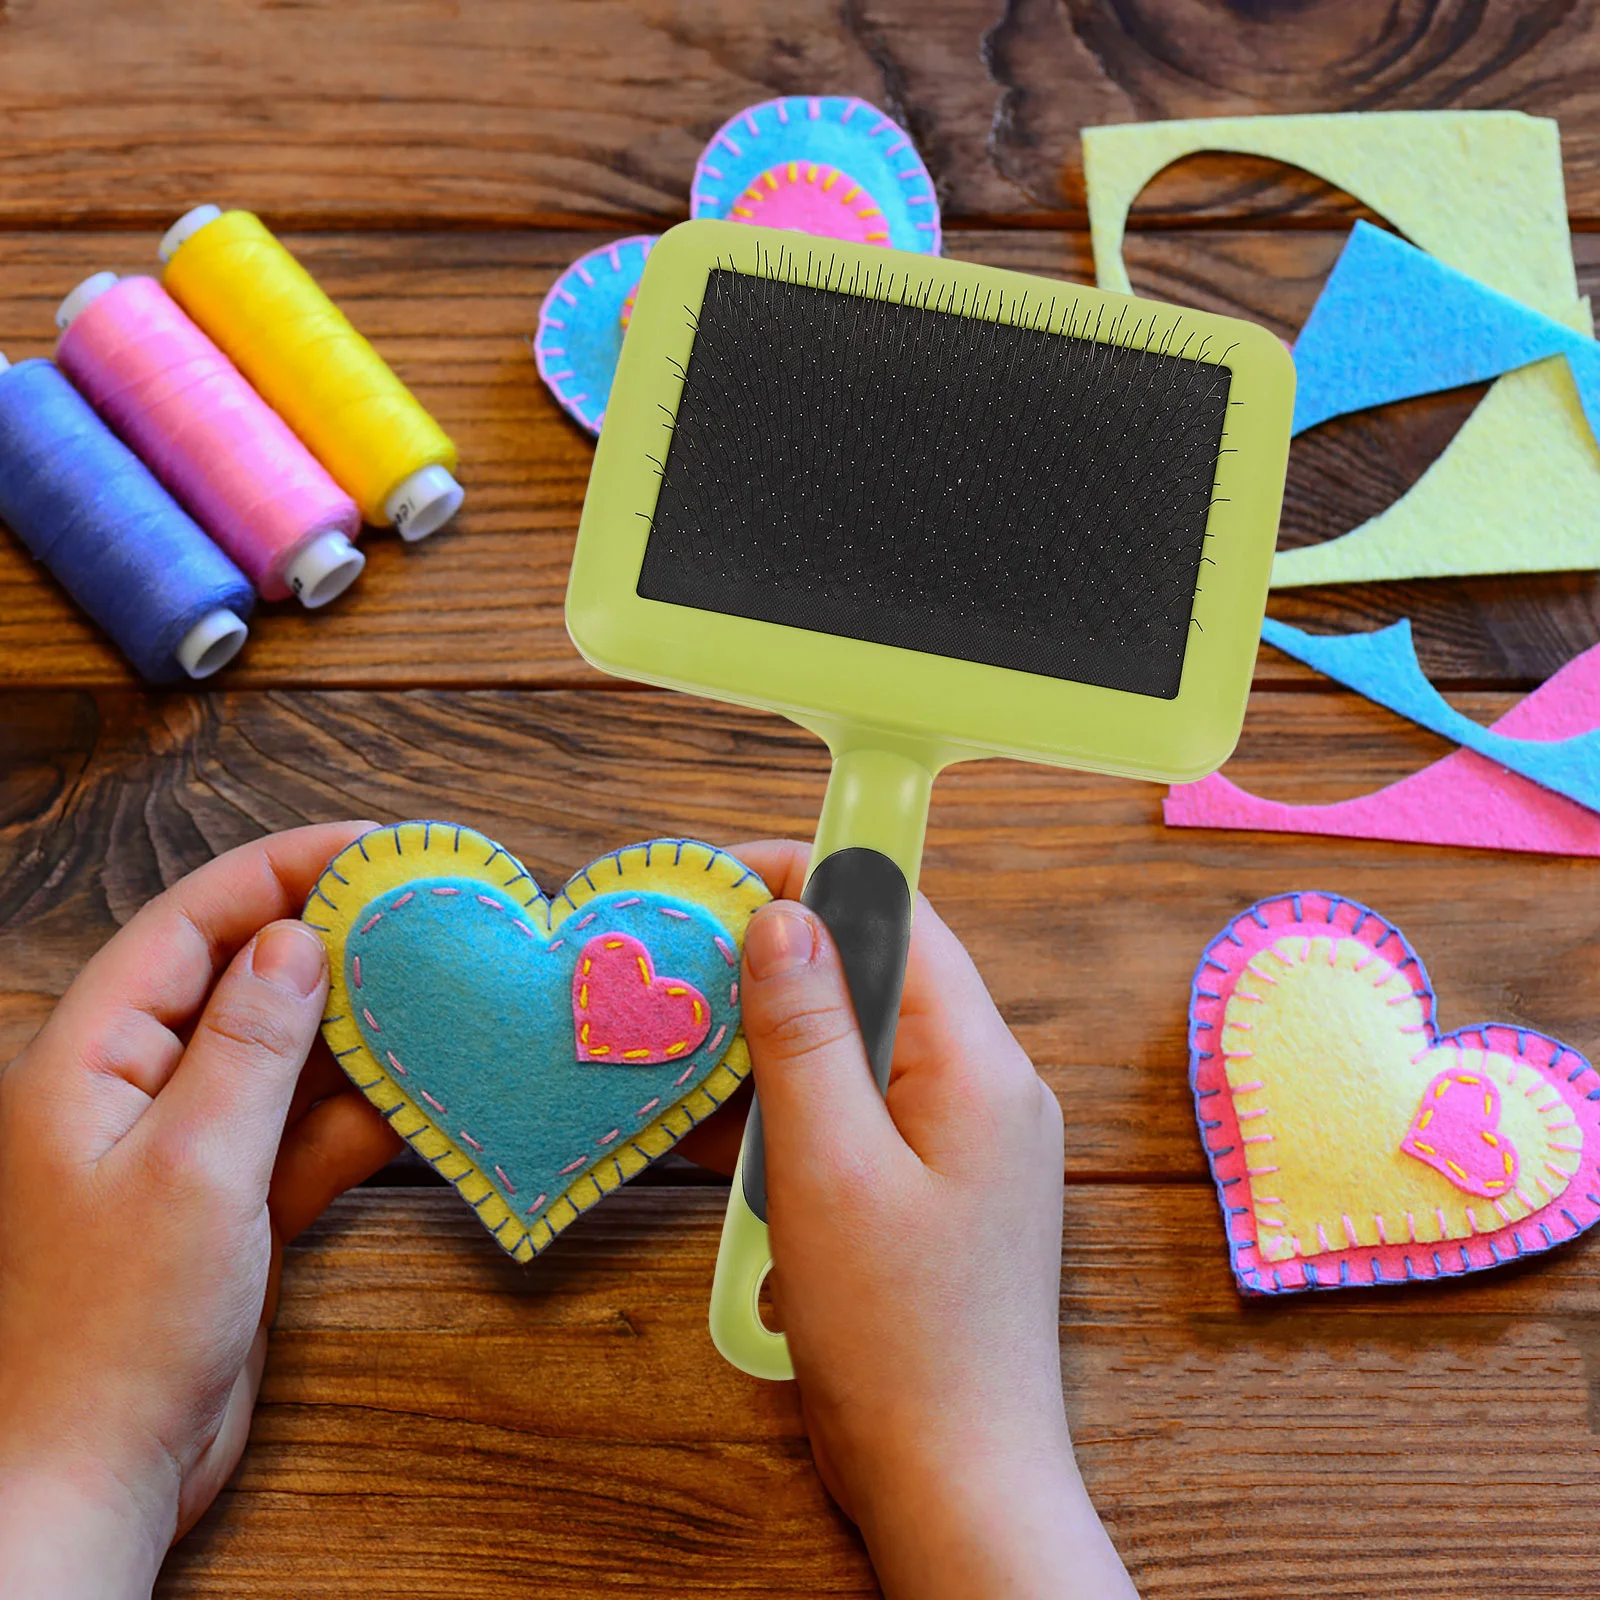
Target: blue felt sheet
point(1383, 666)
point(1393, 322)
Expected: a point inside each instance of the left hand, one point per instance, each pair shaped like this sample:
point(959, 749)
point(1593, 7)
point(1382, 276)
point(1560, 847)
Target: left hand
point(159, 1144)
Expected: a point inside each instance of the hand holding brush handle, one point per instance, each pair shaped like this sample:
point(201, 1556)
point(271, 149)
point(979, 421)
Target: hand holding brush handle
point(917, 1238)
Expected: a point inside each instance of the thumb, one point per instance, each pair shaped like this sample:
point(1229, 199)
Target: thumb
point(822, 1116)
point(230, 1094)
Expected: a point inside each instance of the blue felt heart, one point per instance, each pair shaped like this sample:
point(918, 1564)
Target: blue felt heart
point(537, 1052)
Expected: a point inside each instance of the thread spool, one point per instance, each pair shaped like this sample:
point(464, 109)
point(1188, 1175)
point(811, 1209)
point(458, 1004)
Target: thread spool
point(92, 512)
point(226, 456)
point(289, 339)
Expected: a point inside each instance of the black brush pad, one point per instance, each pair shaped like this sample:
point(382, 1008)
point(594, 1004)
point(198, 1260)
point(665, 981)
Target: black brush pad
point(940, 482)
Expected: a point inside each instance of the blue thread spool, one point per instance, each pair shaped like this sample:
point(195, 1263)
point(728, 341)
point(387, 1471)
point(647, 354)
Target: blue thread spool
point(121, 546)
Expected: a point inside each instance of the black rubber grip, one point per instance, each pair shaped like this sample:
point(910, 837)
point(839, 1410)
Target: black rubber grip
point(865, 904)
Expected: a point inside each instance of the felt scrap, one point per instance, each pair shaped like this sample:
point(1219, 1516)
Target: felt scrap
point(1393, 322)
point(537, 1052)
point(1517, 489)
point(1461, 799)
point(1354, 1144)
point(1383, 666)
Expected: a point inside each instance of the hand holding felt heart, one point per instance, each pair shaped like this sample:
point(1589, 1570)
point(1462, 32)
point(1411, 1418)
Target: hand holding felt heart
point(537, 1052)
point(1350, 1141)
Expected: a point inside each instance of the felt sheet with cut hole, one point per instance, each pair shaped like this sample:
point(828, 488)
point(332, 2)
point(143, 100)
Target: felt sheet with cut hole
point(1518, 488)
point(1463, 799)
point(1383, 666)
point(1393, 322)
point(1350, 1140)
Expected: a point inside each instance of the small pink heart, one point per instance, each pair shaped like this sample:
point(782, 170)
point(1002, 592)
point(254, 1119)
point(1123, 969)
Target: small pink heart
point(1456, 1132)
point(621, 1011)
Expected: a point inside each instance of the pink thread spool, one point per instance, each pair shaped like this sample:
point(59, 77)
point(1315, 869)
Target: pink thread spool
point(221, 450)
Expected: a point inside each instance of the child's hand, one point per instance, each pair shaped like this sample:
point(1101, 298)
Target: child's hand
point(158, 1144)
point(918, 1257)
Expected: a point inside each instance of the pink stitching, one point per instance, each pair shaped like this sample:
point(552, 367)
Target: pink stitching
point(1260, 1172)
point(434, 1103)
point(372, 1021)
point(1472, 1221)
point(684, 1074)
point(587, 920)
point(357, 966)
point(1258, 1138)
point(1350, 1232)
point(1238, 1055)
point(1383, 1235)
point(1270, 1222)
point(500, 1173)
point(1322, 1239)
point(1248, 1088)
point(728, 954)
point(1444, 1231)
point(410, 894)
point(1565, 1177)
point(522, 927)
point(718, 1039)
point(1243, 1027)
point(1527, 1200)
point(395, 1064)
point(667, 911)
point(733, 1000)
point(572, 1166)
point(558, 944)
point(371, 922)
point(444, 891)
point(1243, 994)
point(470, 1140)
point(536, 1204)
point(633, 902)
point(648, 1106)
point(493, 905)
point(1260, 1111)
point(1268, 1200)
point(1499, 1205)
point(606, 1138)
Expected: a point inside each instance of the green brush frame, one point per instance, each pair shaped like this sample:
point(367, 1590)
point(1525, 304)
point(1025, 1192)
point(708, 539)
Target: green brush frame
point(893, 718)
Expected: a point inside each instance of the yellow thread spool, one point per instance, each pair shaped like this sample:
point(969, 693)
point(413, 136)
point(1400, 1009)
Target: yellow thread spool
point(301, 353)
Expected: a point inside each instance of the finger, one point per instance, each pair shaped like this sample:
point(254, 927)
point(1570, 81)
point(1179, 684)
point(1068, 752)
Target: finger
point(826, 1127)
point(229, 1096)
point(781, 863)
point(320, 1078)
point(168, 956)
point(335, 1146)
point(958, 1071)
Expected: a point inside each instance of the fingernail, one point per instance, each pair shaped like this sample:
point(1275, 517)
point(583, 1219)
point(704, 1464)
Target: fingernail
point(291, 956)
point(780, 939)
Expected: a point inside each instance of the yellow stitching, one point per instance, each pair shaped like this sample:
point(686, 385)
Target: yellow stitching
point(634, 1055)
point(794, 172)
point(678, 989)
point(583, 997)
point(644, 971)
point(613, 944)
point(673, 1049)
point(830, 180)
point(1424, 1119)
point(1459, 1172)
point(1426, 1149)
point(600, 1050)
point(1489, 1138)
point(770, 181)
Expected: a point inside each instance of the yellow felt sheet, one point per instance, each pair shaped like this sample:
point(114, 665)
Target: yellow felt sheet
point(1518, 488)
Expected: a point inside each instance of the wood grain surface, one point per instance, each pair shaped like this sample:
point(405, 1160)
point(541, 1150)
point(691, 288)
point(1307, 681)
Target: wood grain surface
point(437, 1421)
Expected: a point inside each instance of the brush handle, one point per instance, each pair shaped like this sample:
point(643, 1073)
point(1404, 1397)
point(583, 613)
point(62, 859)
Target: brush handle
point(861, 883)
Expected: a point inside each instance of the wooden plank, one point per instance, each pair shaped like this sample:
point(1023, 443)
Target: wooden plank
point(435, 1416)
point(1062, 68)
point(1085, 914)
point(496, 113)
point(490, 112)
point(481, 602)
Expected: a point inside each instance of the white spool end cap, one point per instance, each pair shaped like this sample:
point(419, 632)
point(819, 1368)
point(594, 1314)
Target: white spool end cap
point(211, 643)
point(323, 569)
point(83, 297)
point(424, 502)
point(185, 228)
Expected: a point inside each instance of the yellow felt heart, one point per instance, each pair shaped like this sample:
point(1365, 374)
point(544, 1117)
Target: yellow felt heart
point(1328, 1056)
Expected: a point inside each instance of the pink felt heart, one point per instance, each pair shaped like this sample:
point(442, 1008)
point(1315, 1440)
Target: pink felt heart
point(621, 1011)
point(1457, 1132)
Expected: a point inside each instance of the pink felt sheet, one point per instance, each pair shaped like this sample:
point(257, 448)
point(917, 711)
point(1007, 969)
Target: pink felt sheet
point(1462, 799)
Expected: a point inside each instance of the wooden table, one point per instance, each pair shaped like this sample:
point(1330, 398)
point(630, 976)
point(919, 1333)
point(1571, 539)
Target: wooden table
point(437, 1421)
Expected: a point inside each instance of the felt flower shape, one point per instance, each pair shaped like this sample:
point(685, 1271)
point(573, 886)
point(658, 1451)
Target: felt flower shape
point(537, 1052)
point(828, 165)
point(1352, 1142)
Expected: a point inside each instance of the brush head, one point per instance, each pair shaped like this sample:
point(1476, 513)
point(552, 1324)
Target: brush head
point(936, 500)
point(923, 476)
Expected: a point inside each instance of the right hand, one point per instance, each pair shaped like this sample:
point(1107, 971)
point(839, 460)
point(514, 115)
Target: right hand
point(917, 1243)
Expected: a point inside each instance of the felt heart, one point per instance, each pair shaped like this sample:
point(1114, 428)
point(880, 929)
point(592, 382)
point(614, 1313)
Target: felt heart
point(537, 1052)
point(1350, 1141)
